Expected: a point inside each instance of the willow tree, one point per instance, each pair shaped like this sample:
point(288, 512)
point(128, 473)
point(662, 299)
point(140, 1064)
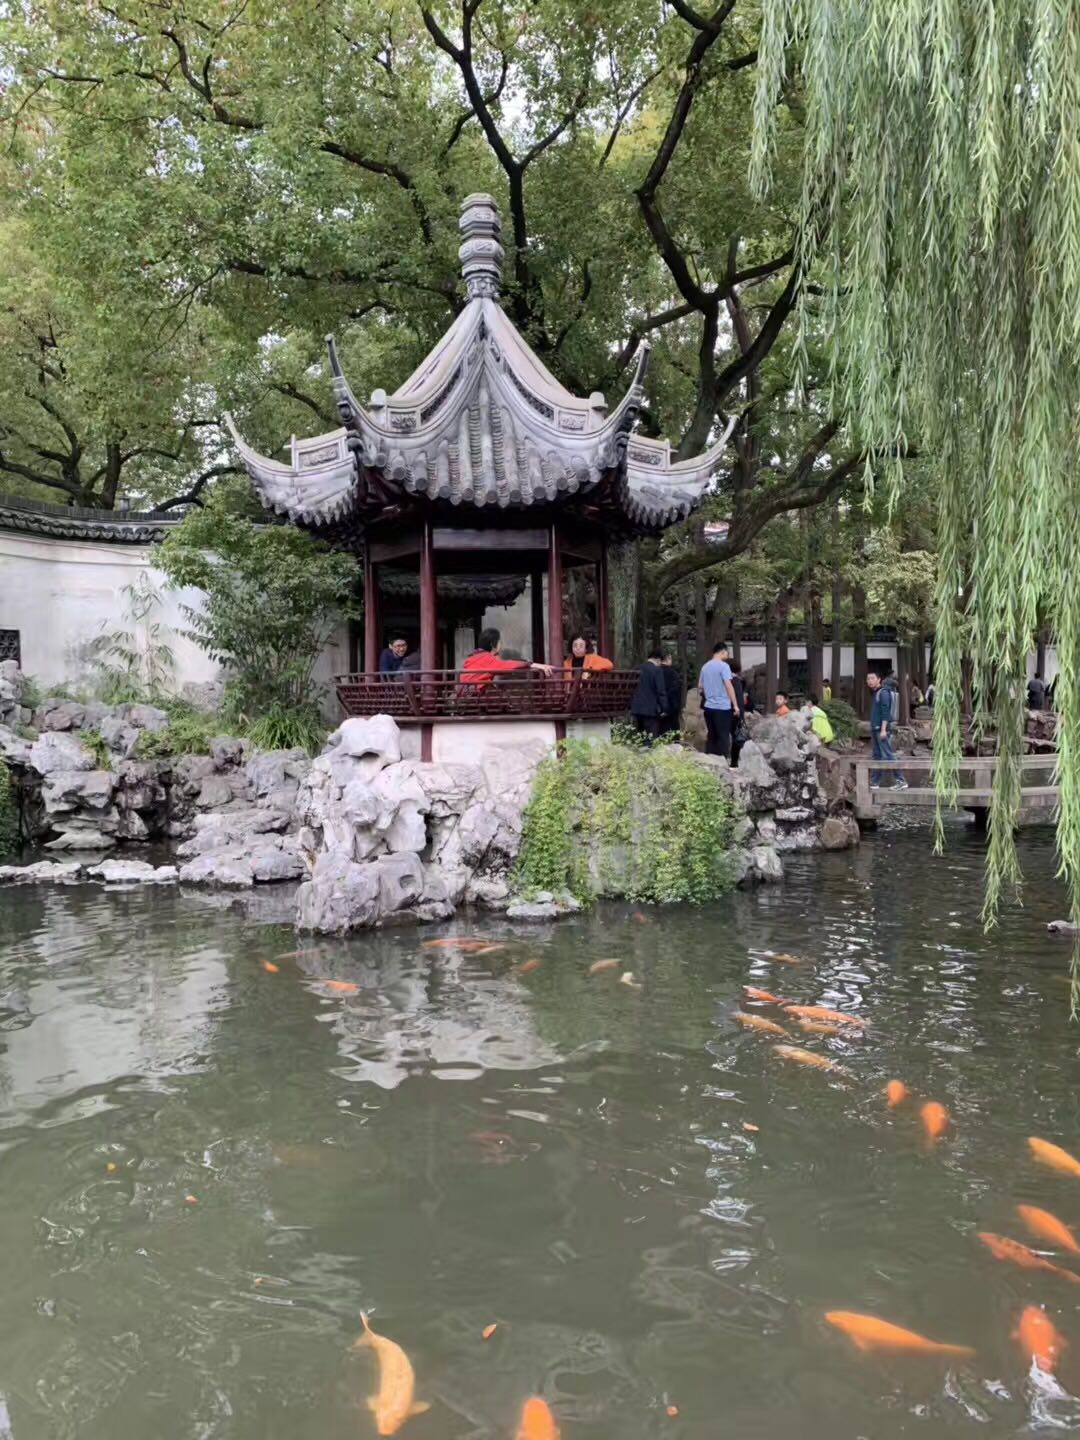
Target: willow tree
point(940, 216)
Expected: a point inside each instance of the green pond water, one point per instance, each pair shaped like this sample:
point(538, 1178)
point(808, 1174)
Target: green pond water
point(453, 1145)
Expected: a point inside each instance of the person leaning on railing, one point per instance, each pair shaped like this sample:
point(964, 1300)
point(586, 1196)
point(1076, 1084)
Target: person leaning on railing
point(482, 666)
point(582, 661)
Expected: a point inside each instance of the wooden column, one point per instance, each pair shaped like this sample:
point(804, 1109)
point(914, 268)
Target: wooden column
point(429, 621)
point(770, 664)
point(555, 635)
point(837, 638)
point(605, 640)
point(372, 622)
point(860, 700)
point(536, 597)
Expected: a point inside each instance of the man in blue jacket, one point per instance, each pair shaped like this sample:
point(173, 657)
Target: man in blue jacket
point(882, 719)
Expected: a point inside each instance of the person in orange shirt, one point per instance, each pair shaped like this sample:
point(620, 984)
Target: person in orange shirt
point(481, 667)
point(581, 659)
point(781, 703)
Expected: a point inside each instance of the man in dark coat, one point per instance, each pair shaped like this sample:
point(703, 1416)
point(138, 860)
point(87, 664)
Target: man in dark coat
point(673, 686)
point(650, 702)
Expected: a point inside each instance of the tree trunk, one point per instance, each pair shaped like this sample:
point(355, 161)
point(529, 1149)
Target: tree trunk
point(836, 669)
point(781, 653)
point(1040, 654)
point(902, 672)
point(736, 643)
point(815, 655)
point(860, 700)
point(701, 632)
point(965, 680)
point(680, 641)
point(770, 664)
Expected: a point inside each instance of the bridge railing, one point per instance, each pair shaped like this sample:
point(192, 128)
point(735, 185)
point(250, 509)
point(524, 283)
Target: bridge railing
point(975, 793)
point(425, 696)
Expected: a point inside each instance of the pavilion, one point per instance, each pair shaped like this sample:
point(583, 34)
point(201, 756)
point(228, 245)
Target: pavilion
point(481, 471)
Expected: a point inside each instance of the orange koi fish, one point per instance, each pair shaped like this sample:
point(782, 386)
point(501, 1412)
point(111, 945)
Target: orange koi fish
point(758, 1022)
point(1045, 1226)
point(1054, 1156)
point(640, 918)
point(598, 965)
point(488, 1331)
point(895, 1092)
point(466, 943)
point(822, 1012)
point(1038, 1337)
point(807, 1057)
point(783, 957)
point(341, 987)
point(867, 1332)
point(935, 1120)
point(270, 967)
point(1002, 1248)
point(528, 966)
point(393, 1403)
point(537, 1421)
point(819, 1027)
point(753, 993)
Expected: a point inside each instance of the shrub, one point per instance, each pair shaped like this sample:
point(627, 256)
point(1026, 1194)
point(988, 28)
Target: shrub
point(273, 597)
point(668, 817)
point(9, 819)
point(283, 728)
point(92, 741)
point(188, 732)
point(31, 693)
point(842, 718)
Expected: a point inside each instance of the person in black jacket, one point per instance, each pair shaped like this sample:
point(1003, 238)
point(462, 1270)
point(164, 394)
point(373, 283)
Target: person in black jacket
point(650, 702)
point(673, 686)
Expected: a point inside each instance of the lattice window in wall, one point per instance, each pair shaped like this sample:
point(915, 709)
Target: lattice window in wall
point(9, 646)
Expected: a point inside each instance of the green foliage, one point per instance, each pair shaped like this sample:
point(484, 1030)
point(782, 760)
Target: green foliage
point(188, 732)
point(31, 692)
point(625, 732)
point(282, 728)
point(652, 825)
point(273, 598)
point(133, 664)
point(842, 718)
point(91, 740)
point(9, 819)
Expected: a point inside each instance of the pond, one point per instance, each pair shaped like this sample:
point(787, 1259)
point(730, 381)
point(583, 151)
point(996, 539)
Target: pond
point(210, 1168)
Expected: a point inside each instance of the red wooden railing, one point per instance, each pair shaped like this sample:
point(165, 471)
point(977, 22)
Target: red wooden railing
point(431, 695)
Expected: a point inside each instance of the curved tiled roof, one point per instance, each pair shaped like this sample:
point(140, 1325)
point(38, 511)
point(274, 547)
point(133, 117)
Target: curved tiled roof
point(71, 522)
point(482, 422)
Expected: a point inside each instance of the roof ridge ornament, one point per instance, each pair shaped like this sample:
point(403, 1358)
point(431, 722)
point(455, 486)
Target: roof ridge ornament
point(480, 253)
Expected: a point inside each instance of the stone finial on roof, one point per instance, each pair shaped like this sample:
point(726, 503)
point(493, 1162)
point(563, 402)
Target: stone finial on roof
point(480, 253)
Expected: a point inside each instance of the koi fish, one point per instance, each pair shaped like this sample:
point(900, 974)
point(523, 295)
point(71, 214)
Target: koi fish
point(598, 965)
point(640, 918)
point(628, 980)
point(807, 1057)
point(895, 1091)
point(818, 1027)
point(467, 943)
point(270, 967)
point(1045, 1226)
point(341, 987)
point(1039, 1338)
point(758, 1022)
point(784, 958)
point(867, 1333)
point(296, 954)
point(822, 1012)
point(1054, 1156)
point(537, 1421)
point(935, 1120)
point(528, 966)
point(488, 1331)
point(393, 1403)
point(753, 993)
point(1002, 1248)
point(491, 1137)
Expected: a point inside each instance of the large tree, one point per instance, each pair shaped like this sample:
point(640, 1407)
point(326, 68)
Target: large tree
point(218, 184)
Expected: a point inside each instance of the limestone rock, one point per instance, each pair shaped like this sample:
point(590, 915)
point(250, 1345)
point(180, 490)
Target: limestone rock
point(229, 868)
point(121, 738)
point(226, 751)
point(341, 895)
point(754, 768)
point(81, 839)
point(57, 751)
point(794, 815)
point(13, 747)
point(58, 715)
point(766, 867)
point(144, 717)
point(489, 835)
point(1062, 927)
point(270, 863)
point(375, 742)
point(447, 788)
point(488, 891)
point(67, 790)
point(131, 872)
point(532, 910)
point(214, 792)
point(839, 832)
point(43, 872)
point(401, 882)
point(509, 770)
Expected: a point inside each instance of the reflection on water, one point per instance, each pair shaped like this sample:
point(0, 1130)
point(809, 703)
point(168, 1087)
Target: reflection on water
point(210, 1170)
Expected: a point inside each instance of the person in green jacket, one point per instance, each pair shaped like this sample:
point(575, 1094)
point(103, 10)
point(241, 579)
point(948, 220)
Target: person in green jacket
point(819, 721)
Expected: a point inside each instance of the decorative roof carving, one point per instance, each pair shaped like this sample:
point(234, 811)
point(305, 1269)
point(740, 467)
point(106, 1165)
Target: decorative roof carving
point(70, 522)
point(481, 422)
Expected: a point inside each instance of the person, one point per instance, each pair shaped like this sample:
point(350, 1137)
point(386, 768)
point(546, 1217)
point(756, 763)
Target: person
point(915, 694)
point(1036, 692)
point(649, 705)
point(673, 685)
point(743, 699)
point(583, 659)
point(411, 663)
point(930, 690)
point(485, 662)
point(882, 719)
point(819, 721)
point(780, 704)
point(719, 702)
point(391, 658)
point(826, 691)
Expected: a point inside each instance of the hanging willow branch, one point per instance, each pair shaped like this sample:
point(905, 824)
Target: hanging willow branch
point(941, 196)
